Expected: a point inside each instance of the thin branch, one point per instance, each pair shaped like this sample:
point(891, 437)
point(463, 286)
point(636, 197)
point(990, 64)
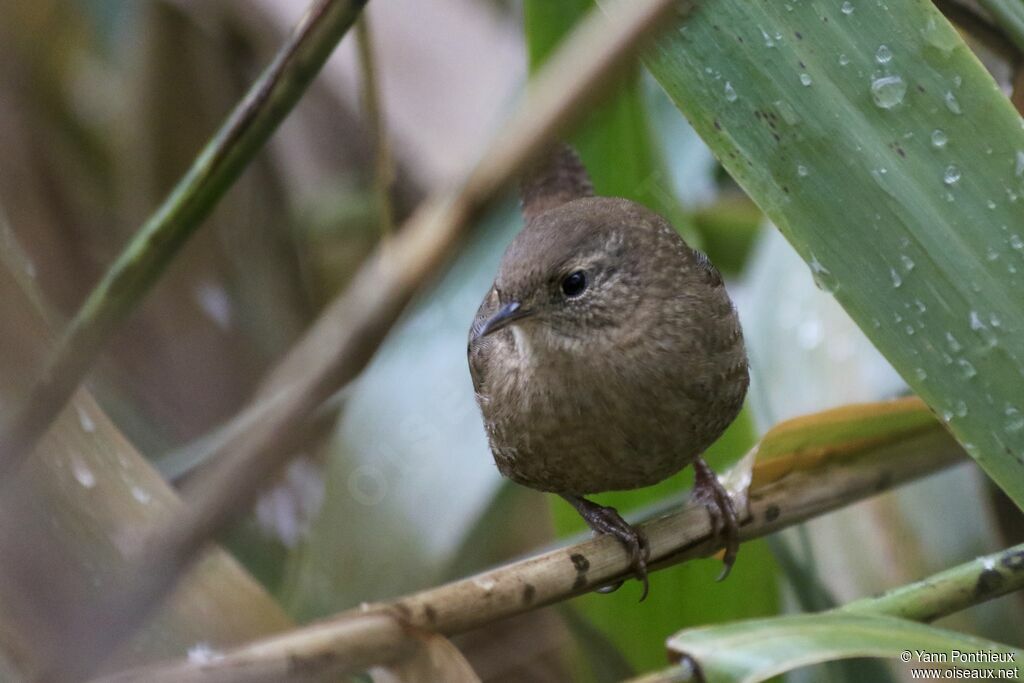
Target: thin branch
point(371, 100)
point(354, 639)
point(347, 334)
point(154, 246)
point(949, 591)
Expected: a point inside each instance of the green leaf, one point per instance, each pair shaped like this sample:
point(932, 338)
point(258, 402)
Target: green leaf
point(892, 162)
point(756, 650)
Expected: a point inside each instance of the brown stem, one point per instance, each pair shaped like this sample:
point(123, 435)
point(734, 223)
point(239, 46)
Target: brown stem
point(379, 633)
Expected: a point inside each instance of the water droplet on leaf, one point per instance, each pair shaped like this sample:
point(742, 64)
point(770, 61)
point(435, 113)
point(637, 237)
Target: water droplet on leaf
point(888, 91)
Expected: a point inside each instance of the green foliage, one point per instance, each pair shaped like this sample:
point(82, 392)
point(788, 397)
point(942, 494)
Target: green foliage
point(756, 650)
point(890, 159)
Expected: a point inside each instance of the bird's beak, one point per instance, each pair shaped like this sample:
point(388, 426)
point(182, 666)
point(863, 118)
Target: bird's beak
point(503, 317)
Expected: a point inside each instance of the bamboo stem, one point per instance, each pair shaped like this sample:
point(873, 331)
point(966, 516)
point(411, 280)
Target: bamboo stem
point(951, 590)
point(383, 174)
point(343, 643)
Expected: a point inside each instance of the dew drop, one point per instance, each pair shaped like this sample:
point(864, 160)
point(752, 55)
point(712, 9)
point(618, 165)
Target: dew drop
point(983, 331)
point(1014, 419)
point(951, 175)
point(787, 112)
point(967, 370)
point(1016, 242)
point(730, 92)
point(908, 263)
point(921, 374)
point(888, 91)
point(1018, 169)
point(939, 35)
point(83, 475)
point(896, 279)
point(202, 653)
point(939, 138)
point(953, 344)
point(805, 79)
point(215, 303)
point(823, 278)
point(843, 60)
point(141, 495)
point(960, 409)
point(883, 55)
point(847, 8)
point(802, 171)
point(85, 421)
point(952, 103)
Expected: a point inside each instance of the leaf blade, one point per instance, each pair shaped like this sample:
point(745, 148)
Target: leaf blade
point(911, 230)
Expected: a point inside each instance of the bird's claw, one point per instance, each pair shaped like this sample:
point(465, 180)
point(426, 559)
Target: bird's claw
point(607, 520)
point(724, 520)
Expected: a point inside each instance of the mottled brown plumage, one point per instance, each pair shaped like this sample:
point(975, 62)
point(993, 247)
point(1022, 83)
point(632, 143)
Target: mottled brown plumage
point(620, 384)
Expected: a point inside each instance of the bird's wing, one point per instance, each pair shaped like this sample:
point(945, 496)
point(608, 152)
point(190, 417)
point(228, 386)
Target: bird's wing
point(479, 348)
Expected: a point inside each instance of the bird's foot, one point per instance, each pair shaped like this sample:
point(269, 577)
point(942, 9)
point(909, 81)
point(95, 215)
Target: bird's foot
point(607, 520)
point(724, 520)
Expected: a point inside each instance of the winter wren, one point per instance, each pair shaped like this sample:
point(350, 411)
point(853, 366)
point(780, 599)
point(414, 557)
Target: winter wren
point(607, 355)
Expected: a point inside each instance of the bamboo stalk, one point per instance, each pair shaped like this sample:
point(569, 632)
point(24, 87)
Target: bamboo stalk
point(949, 591)
point(370, 94)
point(352, 640)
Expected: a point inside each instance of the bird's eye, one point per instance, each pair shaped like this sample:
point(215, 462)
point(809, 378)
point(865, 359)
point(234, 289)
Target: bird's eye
point(574, 284)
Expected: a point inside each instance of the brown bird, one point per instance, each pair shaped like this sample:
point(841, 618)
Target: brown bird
point(607, 355)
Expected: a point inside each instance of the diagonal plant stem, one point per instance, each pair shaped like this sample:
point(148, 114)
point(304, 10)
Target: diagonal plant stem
point(378, 633)
point(949, 591)
point(345, 337)
point(154, 246)
point(373, 111)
